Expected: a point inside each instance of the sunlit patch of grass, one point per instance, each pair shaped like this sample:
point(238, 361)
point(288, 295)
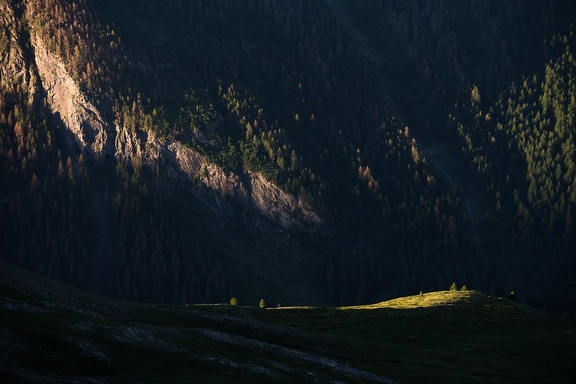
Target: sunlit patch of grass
point(431, 299)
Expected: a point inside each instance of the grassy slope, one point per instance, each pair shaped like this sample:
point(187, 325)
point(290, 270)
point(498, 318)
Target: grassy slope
point(53, 332)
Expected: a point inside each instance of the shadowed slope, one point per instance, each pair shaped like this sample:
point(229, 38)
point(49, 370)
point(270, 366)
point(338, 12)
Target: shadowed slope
point(53, 333)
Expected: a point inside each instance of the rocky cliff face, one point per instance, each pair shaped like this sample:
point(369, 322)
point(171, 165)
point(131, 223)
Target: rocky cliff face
point(68, 103)
point(97, 137)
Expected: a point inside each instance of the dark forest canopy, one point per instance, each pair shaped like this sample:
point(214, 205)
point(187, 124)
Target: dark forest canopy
point(435, 141)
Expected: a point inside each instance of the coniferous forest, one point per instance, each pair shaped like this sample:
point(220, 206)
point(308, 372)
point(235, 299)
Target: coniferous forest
point(307, 152)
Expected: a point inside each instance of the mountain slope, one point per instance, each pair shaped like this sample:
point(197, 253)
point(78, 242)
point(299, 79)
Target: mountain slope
point(52, 333)
point(485, 87)
point(251, 119)
point(192, 150)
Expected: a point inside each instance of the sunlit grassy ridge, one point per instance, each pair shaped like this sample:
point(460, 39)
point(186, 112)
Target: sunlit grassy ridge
point(430, 299)
point(59, 334)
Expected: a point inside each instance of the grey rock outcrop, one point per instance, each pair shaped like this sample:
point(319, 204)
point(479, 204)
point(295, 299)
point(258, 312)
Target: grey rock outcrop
point(67, 102)
point(87, 127)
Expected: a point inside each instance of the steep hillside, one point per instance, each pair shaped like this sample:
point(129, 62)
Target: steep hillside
point(486, 87)
point(192, 150)
point(282, 119)
point(53, 333)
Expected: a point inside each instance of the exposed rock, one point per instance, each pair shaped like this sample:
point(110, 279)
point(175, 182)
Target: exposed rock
point(99, 138)
point(281, 206)
point(68, 103)
point(251, 190)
